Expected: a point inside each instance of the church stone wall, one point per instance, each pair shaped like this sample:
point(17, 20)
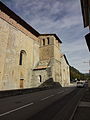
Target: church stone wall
point(65, 73)
point(12, 41)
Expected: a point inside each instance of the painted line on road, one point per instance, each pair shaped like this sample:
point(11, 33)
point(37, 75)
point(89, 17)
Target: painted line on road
point(60, 92)
point(16, 109)
point(51, 96)
point(46, 97)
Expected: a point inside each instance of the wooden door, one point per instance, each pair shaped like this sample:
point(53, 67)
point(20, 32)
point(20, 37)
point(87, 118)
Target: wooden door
point(21, 83)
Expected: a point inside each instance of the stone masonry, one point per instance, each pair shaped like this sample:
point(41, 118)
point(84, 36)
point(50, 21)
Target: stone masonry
point(28, 58)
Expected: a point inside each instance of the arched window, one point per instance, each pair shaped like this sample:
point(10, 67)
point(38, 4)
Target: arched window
point(43, 41)
point(22, 57)
point(40, 78)
point(48, 40)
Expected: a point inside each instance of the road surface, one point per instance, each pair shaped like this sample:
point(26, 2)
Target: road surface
point(52, 104)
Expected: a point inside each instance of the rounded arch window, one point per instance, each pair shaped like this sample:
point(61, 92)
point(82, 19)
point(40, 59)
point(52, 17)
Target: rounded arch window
point(22, 57)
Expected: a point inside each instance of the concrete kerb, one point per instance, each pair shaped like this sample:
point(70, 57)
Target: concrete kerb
point(71, 118)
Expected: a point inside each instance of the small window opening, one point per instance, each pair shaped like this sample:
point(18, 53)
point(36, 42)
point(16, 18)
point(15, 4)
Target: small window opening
point(48, 40)
point(43, 41)
point(20, 62)
point(40, 77)
point(22, 57)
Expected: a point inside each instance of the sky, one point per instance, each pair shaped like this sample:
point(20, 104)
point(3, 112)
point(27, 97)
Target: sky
point(62, 17)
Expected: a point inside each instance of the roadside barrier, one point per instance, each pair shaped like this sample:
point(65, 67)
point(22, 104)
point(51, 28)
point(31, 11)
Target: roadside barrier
point(14, 92)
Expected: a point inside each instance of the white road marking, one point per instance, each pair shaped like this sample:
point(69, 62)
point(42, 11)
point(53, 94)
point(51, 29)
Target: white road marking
point(47, 97)
point(16, 109)
point(60, 92)
point(27, 105)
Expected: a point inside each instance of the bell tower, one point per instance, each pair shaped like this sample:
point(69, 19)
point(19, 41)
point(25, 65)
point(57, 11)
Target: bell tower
point(50, 46)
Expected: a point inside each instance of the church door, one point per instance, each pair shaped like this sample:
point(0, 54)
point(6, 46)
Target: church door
point(21, 83)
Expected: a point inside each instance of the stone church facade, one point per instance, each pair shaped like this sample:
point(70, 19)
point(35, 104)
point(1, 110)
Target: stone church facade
point(28, 58)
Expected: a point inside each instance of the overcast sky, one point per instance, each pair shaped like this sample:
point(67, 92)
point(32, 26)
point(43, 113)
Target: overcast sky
point(62, 17)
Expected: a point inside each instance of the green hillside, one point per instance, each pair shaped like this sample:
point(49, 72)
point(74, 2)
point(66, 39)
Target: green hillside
point(75, 74)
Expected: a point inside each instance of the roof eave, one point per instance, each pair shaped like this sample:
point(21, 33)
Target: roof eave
point(85, 12)
point(87, 37)
point(66, 59)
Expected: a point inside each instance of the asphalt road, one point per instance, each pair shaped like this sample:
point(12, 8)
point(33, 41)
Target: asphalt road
point(54, 104)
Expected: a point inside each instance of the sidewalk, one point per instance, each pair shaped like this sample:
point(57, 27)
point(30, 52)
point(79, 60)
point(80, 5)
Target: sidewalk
point(83, 110)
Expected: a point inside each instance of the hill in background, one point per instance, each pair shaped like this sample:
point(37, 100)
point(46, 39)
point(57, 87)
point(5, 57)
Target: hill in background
point(75, 74)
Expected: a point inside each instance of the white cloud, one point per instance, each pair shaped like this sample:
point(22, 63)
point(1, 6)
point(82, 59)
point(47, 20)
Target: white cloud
point(62, 17)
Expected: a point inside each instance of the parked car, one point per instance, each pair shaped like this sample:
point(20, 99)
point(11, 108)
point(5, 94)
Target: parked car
point(80, 83)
